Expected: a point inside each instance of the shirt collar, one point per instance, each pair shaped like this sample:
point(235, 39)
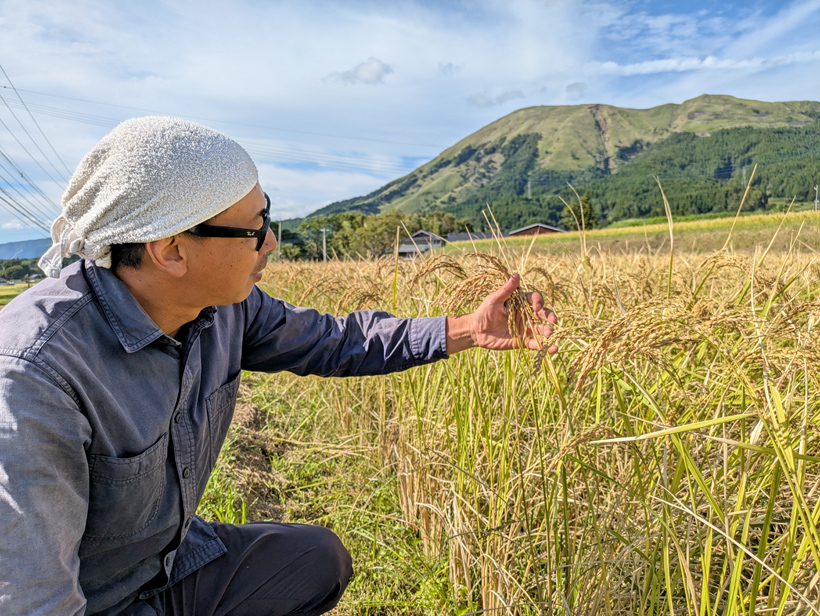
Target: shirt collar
point(132, 325)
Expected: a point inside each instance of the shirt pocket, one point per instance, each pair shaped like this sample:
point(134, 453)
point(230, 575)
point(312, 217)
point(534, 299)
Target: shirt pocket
point(125, 493)
point(220, 406)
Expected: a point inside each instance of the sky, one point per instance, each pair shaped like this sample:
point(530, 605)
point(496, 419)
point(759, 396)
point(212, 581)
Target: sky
point(333, 99)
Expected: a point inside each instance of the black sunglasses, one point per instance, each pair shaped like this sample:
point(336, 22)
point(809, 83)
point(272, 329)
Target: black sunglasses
point(204, 230)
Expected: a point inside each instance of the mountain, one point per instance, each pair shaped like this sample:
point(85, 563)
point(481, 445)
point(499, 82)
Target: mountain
point(521, 163)
point(30, 249)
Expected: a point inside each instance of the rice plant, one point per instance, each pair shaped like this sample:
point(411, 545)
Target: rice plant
point(665, 461)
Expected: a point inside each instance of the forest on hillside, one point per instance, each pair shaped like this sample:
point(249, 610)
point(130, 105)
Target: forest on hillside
point(699, 174)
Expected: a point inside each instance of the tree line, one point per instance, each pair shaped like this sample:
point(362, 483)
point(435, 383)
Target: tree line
point(19, 269)
point(358, 235)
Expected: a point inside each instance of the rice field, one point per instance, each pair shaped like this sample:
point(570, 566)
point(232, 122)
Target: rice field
point(9, 292)
point(665, 461)
point(692, 236)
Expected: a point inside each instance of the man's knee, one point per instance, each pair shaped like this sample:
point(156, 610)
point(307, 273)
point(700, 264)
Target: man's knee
point(320, 566)
point(283, 568)
point(331, 563)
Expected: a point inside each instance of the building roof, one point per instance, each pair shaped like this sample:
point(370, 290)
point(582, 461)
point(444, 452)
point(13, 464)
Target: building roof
point(423, 234)
point(475, 235)
point(537, 224)
point(421, 241)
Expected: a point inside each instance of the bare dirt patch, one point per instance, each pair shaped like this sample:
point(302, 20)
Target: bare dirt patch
point(253, 448)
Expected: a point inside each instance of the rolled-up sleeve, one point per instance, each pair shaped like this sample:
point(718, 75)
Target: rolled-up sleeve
point(43, 492)
point(279, 336)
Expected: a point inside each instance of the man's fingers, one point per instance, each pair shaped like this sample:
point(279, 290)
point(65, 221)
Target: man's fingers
point(506, 290)
point(545, 331)
point(536, 301)
point(537, 346)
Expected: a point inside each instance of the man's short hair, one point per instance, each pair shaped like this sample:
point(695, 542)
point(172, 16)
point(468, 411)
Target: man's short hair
point(127, 255)
point(130, 255)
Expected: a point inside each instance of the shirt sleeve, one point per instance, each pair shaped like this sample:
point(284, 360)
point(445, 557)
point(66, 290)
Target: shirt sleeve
point(43, 492)
point(279, 336)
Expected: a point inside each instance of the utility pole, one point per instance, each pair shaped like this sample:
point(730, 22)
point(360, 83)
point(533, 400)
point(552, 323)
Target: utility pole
point(529, 188)
point(744, 175)
point(815, 197)
point(279, 244)
point(324, 243)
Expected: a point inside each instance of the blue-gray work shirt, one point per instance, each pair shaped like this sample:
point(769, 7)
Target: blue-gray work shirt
point(109, 428)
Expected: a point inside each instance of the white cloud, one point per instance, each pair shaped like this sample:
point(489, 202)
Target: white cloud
point(709, 63)
point(449, 69)
point(484, 100)
point(371, 72)
point(13, 224)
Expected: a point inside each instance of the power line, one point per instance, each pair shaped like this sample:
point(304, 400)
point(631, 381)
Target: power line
point(53, 149)
point(22, 214)
point(278, 152)
point(31, 206)
point(36, 190)
point(38, 219)
point(65, 114)
point(28, 134)
point(36, 145)
point(273, 128)
point(36, 162)
point(24, 205)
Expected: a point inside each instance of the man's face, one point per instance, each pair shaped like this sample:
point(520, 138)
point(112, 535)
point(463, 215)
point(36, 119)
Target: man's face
point(223, 270)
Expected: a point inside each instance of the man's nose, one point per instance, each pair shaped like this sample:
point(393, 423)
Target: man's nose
point(270, 241)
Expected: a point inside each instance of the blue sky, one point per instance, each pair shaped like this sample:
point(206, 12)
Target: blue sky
point(334, 99)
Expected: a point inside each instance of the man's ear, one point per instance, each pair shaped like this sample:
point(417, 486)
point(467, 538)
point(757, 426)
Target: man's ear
point(169, 255)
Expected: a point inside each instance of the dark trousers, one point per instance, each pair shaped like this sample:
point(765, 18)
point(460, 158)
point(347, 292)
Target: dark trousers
point(270, 570)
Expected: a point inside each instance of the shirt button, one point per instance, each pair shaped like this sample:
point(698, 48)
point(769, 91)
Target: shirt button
point(177, 417)
point(186, 473)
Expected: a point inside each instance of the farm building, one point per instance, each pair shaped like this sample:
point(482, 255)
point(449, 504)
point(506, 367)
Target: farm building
point(420, 242)
point(471, 235)
point(423, 241)
point(535, 229)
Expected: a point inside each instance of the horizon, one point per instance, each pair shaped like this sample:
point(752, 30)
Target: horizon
point(334, 100)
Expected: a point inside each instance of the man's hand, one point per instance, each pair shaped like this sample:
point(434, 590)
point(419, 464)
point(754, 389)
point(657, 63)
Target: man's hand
point(488, 327)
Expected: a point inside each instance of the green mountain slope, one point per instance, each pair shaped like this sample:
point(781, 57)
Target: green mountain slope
point(522, 162)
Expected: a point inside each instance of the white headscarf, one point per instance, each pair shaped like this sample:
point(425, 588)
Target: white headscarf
point(148, 179)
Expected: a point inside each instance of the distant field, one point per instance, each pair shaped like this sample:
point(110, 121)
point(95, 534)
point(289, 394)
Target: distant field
point(9, 292)
point(700, 236)
point(776, 204)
